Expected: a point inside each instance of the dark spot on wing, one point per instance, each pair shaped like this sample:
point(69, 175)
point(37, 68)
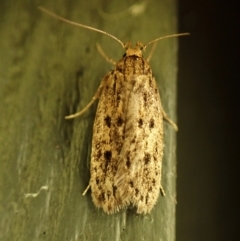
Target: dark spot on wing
point(147, 158)
point(145, 97)
point(136, 191)
point(108, 121)
point(101, 197)
point(140, 123)
point(128, 163)
point(114, 87)
point(151, 124)
point(97, 180)
point(133, 140)
point(150, 82)
point(114, 190)
point(109, 193)
point(108, 155)
point(119, 121)
point(147, 199)
point(119, 68)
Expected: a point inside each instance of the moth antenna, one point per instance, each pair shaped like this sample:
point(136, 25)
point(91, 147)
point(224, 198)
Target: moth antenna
point(79, 24)
point(168, 36)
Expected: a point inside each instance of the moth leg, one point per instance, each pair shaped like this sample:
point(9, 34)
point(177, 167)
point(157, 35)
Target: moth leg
point(96, 96)
point(108, 59)
point(85, 191)
point(169, 120)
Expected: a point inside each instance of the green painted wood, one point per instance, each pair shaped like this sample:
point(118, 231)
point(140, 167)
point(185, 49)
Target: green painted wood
point(49, 69)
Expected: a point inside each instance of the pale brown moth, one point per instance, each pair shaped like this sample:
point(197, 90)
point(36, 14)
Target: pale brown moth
point(127, 143)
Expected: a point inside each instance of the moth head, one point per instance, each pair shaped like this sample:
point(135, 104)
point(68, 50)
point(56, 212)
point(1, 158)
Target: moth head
point(136, 51)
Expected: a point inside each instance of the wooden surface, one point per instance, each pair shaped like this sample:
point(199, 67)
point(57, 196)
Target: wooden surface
point(49, 69)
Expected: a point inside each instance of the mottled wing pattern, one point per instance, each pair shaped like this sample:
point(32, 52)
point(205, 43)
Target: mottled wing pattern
point(142, 149)
point(127, 145)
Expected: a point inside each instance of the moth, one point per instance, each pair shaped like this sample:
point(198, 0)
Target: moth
point(127, 142)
